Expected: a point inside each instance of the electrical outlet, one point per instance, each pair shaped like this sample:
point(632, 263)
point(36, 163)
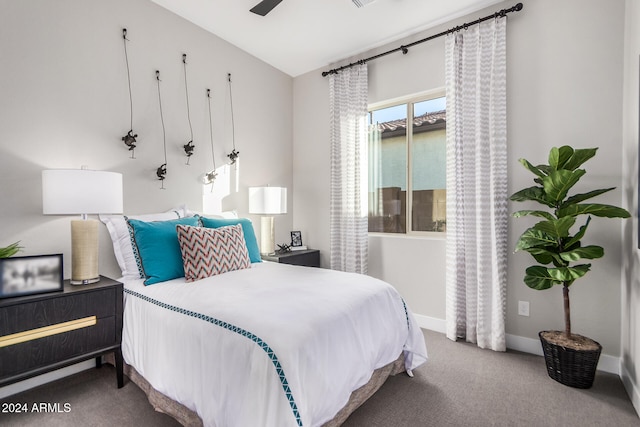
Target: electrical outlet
point(523, 308)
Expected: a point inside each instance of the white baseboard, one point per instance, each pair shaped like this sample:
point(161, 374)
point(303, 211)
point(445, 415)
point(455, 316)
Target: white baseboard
point(606, 363)
point(431, 323)
point(21, 386)
point(631, 387)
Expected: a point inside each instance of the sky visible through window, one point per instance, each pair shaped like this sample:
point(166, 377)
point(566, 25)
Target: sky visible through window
point(400, 111)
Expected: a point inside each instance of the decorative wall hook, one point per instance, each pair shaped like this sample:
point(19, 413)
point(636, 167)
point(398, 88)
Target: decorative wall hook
point(130, 138)
point(210, 177)
point(161, 172)
point(130, 141)
point(188, 147)
point(233, 156)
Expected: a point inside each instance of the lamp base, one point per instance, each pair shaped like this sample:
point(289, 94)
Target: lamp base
point(267, 235)
point(85, 281)
point(84, 252)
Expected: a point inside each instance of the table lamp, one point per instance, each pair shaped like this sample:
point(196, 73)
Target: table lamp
point(267, 201)
point(82, 191)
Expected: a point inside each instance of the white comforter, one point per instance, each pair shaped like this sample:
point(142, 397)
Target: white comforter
point(272, 345)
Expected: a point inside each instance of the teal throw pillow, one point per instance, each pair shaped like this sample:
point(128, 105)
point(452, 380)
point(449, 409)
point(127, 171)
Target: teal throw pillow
point(247, 228)
point(159, 249)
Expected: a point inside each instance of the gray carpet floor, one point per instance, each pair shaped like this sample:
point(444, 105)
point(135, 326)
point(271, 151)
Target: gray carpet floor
point(460, 385)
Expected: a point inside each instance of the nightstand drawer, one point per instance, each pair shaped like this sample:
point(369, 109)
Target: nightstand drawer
point(58, 309)
point(41, 352)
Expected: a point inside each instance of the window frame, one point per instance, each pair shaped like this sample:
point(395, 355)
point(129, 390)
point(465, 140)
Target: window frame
point(409, 100)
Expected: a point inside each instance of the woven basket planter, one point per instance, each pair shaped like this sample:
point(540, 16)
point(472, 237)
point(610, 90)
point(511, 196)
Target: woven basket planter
point(574, 368)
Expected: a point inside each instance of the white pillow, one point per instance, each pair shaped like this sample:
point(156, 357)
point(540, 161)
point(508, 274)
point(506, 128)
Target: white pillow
point(222, 215)
point(119, 232)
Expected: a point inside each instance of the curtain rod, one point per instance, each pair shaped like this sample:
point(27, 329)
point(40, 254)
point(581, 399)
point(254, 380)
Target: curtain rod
point(405, 48)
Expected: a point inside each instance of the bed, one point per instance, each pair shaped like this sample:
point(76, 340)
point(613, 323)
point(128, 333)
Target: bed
point(266, 345)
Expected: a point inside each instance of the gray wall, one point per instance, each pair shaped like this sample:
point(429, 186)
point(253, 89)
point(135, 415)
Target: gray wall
point(631, 259)
point(564, 87)
point(64, 103)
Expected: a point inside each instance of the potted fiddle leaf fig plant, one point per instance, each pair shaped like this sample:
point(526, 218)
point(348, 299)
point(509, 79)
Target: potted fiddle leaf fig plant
point(561, 256)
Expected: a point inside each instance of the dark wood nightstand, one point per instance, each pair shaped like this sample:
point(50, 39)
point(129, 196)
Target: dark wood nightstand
point(44, 332)
point(307, 257)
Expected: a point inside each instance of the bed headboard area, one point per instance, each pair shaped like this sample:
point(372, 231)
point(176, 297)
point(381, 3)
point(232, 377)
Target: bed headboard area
point(179, 243)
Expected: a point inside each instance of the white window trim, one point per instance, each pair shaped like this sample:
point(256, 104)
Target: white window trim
point(410, 100)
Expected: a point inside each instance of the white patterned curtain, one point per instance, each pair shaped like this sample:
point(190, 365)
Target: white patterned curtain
point(476, 278)
point(348, 94)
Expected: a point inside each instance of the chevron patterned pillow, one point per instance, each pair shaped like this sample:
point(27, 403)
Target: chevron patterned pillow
point(210, 251)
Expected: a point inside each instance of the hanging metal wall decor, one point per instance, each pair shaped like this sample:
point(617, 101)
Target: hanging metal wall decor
point(210, 177)
point(233, 156)
point(130, 138)
point(161, 172)
point(188, 147)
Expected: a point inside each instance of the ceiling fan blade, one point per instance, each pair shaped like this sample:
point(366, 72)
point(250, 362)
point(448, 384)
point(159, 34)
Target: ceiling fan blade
point(265, 7)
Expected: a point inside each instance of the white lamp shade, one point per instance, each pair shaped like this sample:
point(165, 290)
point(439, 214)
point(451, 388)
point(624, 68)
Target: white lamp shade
point(267, 200)
point(81, 191)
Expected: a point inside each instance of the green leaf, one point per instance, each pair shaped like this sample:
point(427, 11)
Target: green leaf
point(536, 194)
point(532, 168)
point(532, 238)
point(558, 183)
point(542, 214)
point(556, 227)
point(580, 156)
point(10, 250)
point(585, 252)
point(579, 235)
point(544, 255)
point(606, 211)
point(582, 197)
point(538, 278)
point(546, 169)
point(559, 156)
point(568, 274)
point(543, 258)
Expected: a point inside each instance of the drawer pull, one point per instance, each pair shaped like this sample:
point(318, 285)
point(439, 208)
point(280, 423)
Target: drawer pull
point(47, 331)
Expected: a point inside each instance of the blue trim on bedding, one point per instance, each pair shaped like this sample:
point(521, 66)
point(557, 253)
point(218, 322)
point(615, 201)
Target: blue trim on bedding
point(237, 330)
point(406, 313)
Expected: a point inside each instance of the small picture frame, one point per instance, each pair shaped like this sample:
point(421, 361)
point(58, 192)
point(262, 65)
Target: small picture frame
point(27, 275)
point(296, 238)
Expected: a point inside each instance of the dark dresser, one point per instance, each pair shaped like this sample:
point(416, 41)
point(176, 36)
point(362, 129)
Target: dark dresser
point(44, 332)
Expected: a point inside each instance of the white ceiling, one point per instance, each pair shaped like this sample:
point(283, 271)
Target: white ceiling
point(303, 35)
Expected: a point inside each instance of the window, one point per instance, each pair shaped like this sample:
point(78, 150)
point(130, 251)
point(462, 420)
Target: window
point(407, 176)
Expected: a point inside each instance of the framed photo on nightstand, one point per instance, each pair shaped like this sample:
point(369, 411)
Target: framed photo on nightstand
point(27, 275)
point(296, 238)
